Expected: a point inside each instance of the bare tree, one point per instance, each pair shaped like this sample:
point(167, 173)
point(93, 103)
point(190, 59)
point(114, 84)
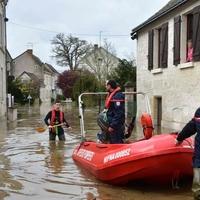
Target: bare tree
point(109, 62)
point(68, 50)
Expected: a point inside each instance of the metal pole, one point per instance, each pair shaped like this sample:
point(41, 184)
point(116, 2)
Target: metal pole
point(100, 32)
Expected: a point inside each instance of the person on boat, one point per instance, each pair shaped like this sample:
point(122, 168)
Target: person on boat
point(192, 127)
point(54, 120)
point(115, 113)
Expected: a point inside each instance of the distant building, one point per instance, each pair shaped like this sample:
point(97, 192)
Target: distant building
point(27, 66)
point(28, 62)
point(163, 70)
point(100, 62)
point(3, 19)
point(50, 89)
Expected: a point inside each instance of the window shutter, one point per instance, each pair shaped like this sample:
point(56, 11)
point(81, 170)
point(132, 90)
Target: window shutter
point(150, 50)
point(177, 37)
point(196, 34)
point(164, 45)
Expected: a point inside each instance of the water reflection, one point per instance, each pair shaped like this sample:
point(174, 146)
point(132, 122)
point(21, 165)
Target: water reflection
point(55, 158)
point(8, 183)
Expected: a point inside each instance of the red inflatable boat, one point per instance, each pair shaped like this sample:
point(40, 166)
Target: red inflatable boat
point(154, 160)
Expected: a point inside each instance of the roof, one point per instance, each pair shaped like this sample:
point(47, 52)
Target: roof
point(33, 77)
point(37, 60)
point(170, 6)
point(4, 1)
point(51, 68)
point(30, 51)
point(8, 56)
point(99, 49)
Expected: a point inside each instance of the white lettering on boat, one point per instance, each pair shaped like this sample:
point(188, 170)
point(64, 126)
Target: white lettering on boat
point(85, 154)
point(120, 154)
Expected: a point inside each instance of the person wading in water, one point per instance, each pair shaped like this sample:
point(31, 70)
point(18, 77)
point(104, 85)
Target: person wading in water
point(54, 120)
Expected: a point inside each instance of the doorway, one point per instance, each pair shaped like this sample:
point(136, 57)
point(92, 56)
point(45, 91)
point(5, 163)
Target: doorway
point(158, 110)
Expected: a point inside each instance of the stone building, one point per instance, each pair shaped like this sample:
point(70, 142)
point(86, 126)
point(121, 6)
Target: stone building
point(3, 19)
point(163, 70)
point(100, 61)
point(27, 67)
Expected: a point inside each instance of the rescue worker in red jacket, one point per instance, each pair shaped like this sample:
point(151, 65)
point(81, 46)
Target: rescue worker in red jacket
point(115, 112)
point(54, 120)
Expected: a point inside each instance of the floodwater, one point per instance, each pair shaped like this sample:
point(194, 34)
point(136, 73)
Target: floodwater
point(32, 168)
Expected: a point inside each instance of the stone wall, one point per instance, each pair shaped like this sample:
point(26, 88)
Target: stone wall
point(3, 107)
point(177, 86)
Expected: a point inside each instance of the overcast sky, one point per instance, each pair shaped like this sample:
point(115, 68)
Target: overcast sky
point(34, 23)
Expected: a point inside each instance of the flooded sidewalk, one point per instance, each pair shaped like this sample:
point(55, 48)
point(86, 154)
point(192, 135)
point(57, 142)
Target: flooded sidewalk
point(32, 167)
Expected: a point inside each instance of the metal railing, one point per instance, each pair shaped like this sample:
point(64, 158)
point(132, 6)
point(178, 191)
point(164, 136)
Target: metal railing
point(81, 107)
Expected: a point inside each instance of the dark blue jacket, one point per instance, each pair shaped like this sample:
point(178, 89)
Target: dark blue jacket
point(116, 111)
point(192, 127)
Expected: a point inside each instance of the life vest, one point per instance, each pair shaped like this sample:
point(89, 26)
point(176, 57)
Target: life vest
point(147, 125)
point(53, 117)
point(109, 97)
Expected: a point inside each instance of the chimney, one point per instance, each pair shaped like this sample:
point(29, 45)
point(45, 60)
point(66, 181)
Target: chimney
point(95, 46)
point(30, 51)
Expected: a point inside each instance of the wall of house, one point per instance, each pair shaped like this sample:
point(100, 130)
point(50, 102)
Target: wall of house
point(2, 62)
point(25, 62)
point(56, 90)
point(176, 85)
point(100, 62)
point(46, 91)
point(50, 89)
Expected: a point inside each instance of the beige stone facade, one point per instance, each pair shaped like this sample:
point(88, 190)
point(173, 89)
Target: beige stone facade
point(3, 107)
point(174, 91)
point(50, 89)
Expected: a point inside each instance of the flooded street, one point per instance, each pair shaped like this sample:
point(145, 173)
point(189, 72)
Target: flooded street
point(32, 168)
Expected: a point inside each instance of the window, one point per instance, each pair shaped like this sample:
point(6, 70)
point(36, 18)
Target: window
point(158, 47)
point(189, 37)
point(189, 26)
point(189, 43)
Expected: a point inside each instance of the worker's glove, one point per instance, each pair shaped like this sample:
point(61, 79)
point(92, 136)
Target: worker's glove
point(177, 142)
point(110, 129)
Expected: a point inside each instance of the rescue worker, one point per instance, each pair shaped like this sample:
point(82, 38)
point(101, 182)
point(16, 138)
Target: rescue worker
point(115, 107)
point(54, 120)
point(192, 127)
